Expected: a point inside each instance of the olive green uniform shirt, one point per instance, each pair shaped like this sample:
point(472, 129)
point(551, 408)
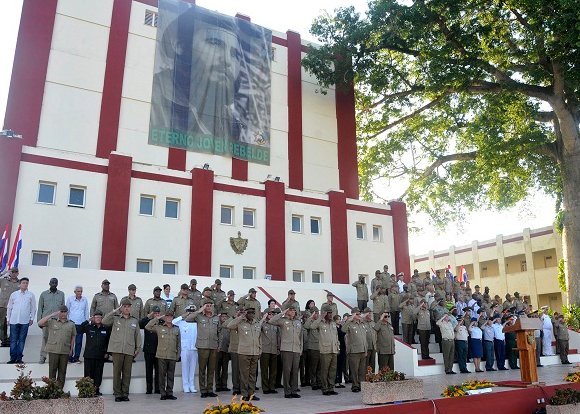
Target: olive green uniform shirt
point(249, 333)
point(362, 290)
point(168, 340)
point(61, 334)
point(179, 305)
point(290, 333)
point(356, 337)
point(230, 308)
point(104, 303)
point(125, 335)
point(313, 339)
point(148, 307)
point(136, 307)
point(327, 336)
point(207, 330)
point(380, 303)
point(385, 338)
point(196, 296)
point(7, 287)
point(251, 303)
point(270, 338)
point(49, 302)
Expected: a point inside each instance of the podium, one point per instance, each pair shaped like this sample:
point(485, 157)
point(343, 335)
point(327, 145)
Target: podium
point(526, 343)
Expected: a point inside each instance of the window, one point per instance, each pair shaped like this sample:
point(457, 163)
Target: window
point(361, 231)
point(296, 224)
point(316, 277)
point(146, 205)
point(314, 225)
point(249, 272)
point(40, 258)
point(249, 217)
point(71, 260)
point(46, 193)
point(151, 18)
point(483, 272)
point(143, 266)
point(273, 56)
point(226, 272)
point(171, 208)
point(227, 215)
point(377, 233)
point(523, 266)
point(76, 197)
point(548, 262)
point(297, 275)
point(169, 268)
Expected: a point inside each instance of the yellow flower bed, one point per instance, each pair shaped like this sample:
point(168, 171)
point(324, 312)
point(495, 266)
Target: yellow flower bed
point(461, 390)
point(573, 377)
point(236, 406)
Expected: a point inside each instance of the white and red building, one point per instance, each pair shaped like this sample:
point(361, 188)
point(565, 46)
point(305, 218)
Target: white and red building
point(91, 193)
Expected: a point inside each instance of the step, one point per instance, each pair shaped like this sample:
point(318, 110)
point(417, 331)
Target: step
point(426, 362)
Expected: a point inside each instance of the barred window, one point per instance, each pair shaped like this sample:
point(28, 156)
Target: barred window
point(151, 18)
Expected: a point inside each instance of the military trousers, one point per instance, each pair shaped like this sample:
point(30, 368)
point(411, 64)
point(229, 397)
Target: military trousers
point(424, 336)
point(448, 346)
point(372, 359)
point(357, 368)
point(248, 370)
point(314, 366)
point(564, 345)
point(122, 366)
point(221, 373)
point(57, 364)
point(151, 367)
point(327, 371)
point(387, 360)
point(166, 376)
point(3, 327)
point(43, 353)
point(290, 367)
point(268, 370)
point(207, 360)
point(408, 333)
point(234, 356)
point(94, 369)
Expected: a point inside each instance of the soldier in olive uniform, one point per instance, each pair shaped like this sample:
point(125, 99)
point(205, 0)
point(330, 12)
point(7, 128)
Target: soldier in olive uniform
point(183, 300)
point(362, 292)
point(217, 294)
point(377, 281)
point(290, 348)
point(291, 300)
point(168, 351)
point(385, 342)
point(270, 338)
point(330, 302)
point(250, 301)
point(206, 344)
point(206, 297)
point(312, 346)
point(193, 293)
point(356, 339)
point(228, 306)
point(149, 352)
point(407, 318)
point(104, 301)
point(394, 302)
point(8, 284)
point(156, 300)
point(249, 349)
point(369, 325)
point(233, 351)
point(61, 338)
point(136, 302)
point(124, 345)
point(49, 302)
point(97, 339)
point(328, 347)
point(223, 356)
point(380, 302)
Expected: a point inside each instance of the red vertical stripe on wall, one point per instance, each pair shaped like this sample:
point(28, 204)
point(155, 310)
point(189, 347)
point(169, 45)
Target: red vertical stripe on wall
point(295, 161)
point(346, 128)
point(113, 83)
point(25, 95)
point(275, 230)
point(401, 239)
point(338, 237)
point(200, 236)
point(116, 220)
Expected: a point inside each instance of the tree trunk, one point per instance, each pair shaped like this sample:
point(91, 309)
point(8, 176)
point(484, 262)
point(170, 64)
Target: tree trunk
point(571, 234)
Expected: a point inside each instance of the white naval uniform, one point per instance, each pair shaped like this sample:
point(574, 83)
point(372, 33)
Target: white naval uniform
point(188, 332)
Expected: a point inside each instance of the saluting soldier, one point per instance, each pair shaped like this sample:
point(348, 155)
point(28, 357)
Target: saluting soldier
point(49, 302)
point(228, 306)
point(168, 351)
point(124, 345)
point(385, 342)
point(362, 292)
point(290, 348)
point(223, 357)
point(330, 302)
point(270, 338)
point(217, 294)
point(193, 293)
point(156, 300)
point(60, 343)
point(249, 349)
point(233, 351)
point(356, 340)
point(207, 343)
point(380, 302)
point(97, 339)
point(250, 301)
point(291, 300)
point(394, 302)
point(377, 281)
point(313, 348)
point(149, 352)
point(328, 347)
point(136, 302)
point(8, 285)
point(369, 325)
point(183, 300)
point(206, 297)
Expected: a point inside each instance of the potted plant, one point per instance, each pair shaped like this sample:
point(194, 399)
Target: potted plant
point(236, 406)
point(28, 398)
point(389, 386)
point(467, 388)
point(564, 401)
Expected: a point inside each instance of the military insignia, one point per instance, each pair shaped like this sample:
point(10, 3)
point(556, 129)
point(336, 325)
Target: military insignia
point(238, 243)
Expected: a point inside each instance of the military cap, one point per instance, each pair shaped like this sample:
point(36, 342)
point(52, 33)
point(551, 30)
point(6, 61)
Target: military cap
point(156, 288)
point(98, 313)
point(252, 290)
point(325, 308)
point(155, 309)
point(367, 310)
point(205, 301)
point(231, 292)
point(105, 282)
point(276, 310)
point(291, 292)
point(507, 295)
point(250, 309)
point(190, 308)
point(205, 289)
point(125, 301)
point(62, 308)
point(377, 272)
point(314, 309)
point(132, 287)
point(14, 270)
point(218, 282)
point(477, 286)
point(193, 282)
point(169, 313)
point(293, 307)
point(346, 315)
point(330, 294)
point(355, 310)
point(517, 294)
point(184, 286)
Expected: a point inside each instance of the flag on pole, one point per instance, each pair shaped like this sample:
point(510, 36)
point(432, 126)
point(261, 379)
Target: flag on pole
point(433, 274)
point(4, 250)
point(15, 254)
point(464, 274)
point(461, 272)
point(451, 277)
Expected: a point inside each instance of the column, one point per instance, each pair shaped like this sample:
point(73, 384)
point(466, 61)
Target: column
point(346, 130)
point(501, 262)
point(275, 230)
point(200, 235)
point(338, 237)
point(531, 269)
point(295, 157)
point(401, 238)
point(476, 266)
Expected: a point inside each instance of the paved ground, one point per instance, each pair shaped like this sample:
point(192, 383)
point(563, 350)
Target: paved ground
point(313, 401)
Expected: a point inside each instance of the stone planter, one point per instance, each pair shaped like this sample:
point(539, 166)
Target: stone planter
point(388, 392)
point(59, 406)
point(563, 409)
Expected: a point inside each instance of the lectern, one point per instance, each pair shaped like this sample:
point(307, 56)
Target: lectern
point(526, 342)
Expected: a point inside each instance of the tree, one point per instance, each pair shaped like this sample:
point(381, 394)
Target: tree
point(476, 102)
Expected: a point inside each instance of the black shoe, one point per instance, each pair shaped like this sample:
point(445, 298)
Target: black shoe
point(148, 392)
point(295, 396)
point(315, 387)
point(339, 386)
point(126, 399)
point(255, 398)
point(325, 393)
point(11, 362)
point(211, 394)
point(279, 386)
point(288, 396)
point(355, 390)
point(298, 390)
point(118, 399)
point(257, 388)
point(98, 394)
point(566, 363)
point(226, 389)
point(203, 395)
point(491, 369)
point(5, 345)
point(503, 369)
point(332, 393)
point(19, 361)
point(156, 392)
point(273, 392)
point(236, 393)
point(540, 365)
point(171, 397)
point(163, 397)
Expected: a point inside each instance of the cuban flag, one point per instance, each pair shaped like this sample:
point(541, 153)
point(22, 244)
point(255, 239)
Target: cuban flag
point(4, 250)
point(463, 275)
point(15, 254)
point(433, 274)
point(450, 273)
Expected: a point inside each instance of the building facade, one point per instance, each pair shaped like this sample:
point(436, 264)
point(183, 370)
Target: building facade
point(91, 193)
point(526, 263)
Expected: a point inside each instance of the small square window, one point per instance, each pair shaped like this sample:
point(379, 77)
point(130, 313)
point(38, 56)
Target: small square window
point(40, 258)
point(360, 231)
point(76, 197)
point(169, 268)
point(296, 224)
point(46, 192)
point(377, 233)
point(297, 276)
point(71, 260)
point(226, 272)
point(146, 205)
point(249, 217)
point(249, 272)
point(314, 225)
point(151, 18)
point(171, 208)
point(316, 277)
point(227, 215)
point(143, 266)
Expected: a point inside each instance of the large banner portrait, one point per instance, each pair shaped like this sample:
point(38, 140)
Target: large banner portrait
point(211, 83)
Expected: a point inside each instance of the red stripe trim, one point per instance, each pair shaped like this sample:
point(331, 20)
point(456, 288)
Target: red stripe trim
point(403, 342)
point(513, 239)
point(347, 151)
point(366, 209)
point(307, 200)
point(113, 83)
point(269, 296)
point(422, 259)
point(200, 234)
point(176, 159)
point(295, 157)
point(542, 233)
point(279, 41)
point(152, 3)
point(401, 239)
point(275, 230)
point(226, 188)
point(58, 162)
point(349, 307)
point(338, 237)
point(467, 249)
point(161, 178)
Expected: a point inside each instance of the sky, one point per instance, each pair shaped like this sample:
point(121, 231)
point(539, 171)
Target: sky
point(537, 211)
